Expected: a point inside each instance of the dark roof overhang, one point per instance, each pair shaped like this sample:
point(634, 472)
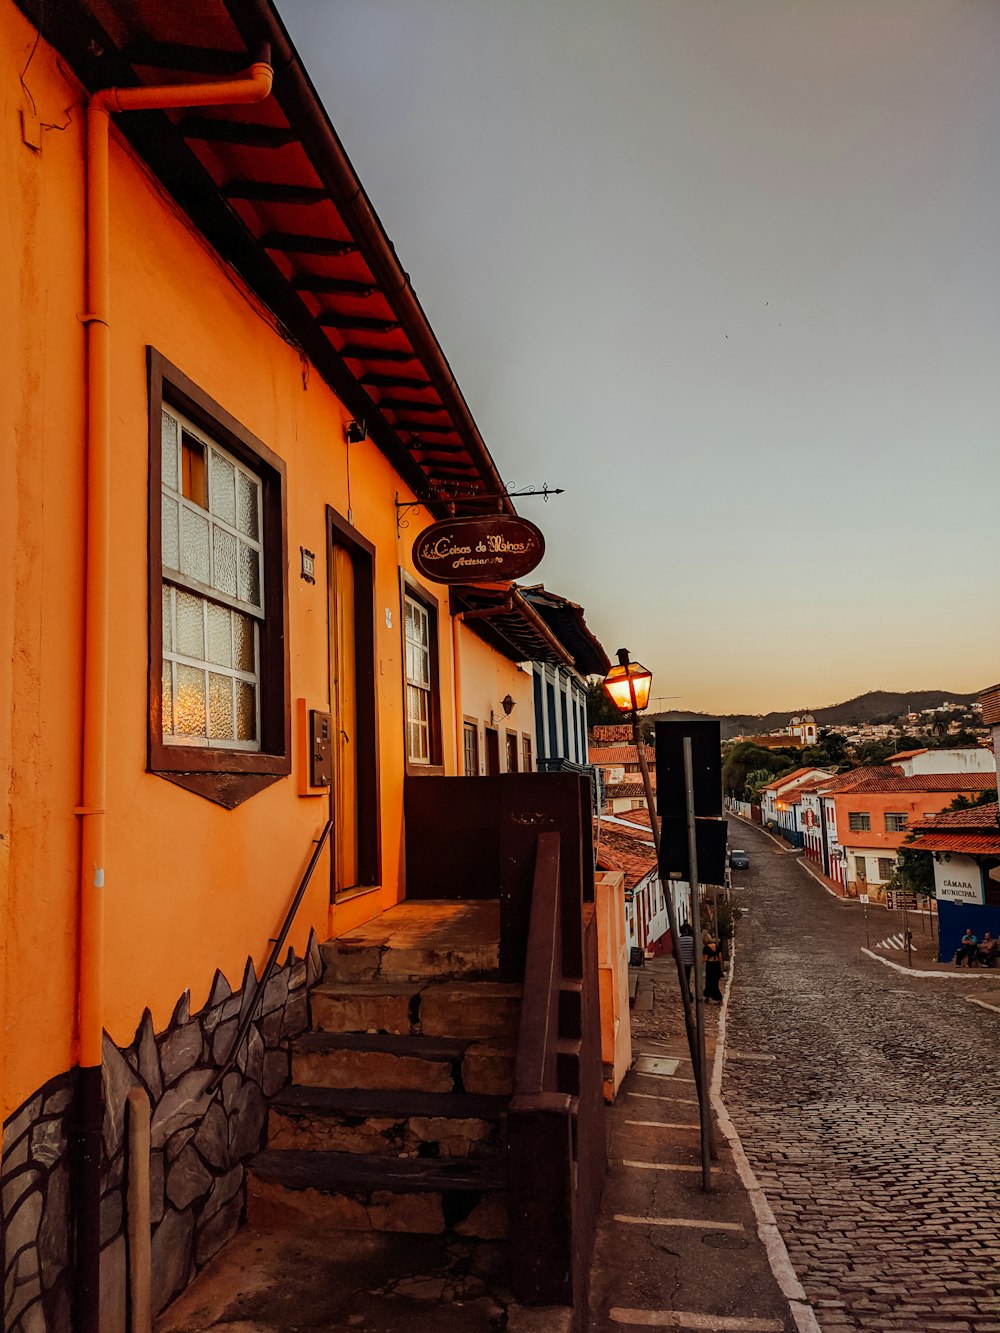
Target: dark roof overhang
point(505, 620)
point(273, 191)
point(565, 619)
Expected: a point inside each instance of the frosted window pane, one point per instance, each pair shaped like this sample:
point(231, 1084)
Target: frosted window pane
point(189, 706)
point(169, 450)
point(247, 491)
point(168, 628)
point(220, 707)
point(190, 626)
point(169, 545)
point(224, 577)
point(194, 545)
point(244, 657)
point(220, 637)
point(246, 712)
point(223, 482)
point(249, 575)
point(416, 705)
point(167, 708)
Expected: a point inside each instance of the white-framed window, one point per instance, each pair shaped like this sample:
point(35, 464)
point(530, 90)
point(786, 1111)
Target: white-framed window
point(418, 681)
point(896, 823)
point(213, 596)
point(886, 865)
point(859, 821)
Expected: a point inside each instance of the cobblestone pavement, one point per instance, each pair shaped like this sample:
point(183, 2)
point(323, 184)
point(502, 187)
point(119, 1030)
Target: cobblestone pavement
point(867, 1102)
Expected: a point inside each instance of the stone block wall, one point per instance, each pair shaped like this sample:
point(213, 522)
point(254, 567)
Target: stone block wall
point(198, 1151)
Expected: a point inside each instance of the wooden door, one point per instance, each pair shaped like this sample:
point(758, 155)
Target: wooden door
point(492, 751)
point(344, 707)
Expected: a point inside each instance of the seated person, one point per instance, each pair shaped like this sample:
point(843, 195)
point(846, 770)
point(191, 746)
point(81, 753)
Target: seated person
point(967, 948)
point(987, 951)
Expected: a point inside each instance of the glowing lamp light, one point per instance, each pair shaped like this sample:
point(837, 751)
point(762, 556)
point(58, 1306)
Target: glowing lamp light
point(627, 685)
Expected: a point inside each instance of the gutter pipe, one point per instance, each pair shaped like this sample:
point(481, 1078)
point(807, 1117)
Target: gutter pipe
point(254, 86)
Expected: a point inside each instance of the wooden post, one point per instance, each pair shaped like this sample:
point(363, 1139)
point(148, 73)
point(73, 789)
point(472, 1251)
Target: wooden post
point(140, 1314)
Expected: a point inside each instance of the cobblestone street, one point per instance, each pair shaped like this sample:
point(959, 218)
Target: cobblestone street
point(867, 1104)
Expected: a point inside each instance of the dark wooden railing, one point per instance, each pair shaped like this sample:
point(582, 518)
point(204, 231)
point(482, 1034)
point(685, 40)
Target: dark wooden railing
point(555, 1125)
point(279, 944)
point(525, 839)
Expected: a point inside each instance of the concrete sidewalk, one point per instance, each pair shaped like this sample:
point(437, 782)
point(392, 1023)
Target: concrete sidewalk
point(669, 1255)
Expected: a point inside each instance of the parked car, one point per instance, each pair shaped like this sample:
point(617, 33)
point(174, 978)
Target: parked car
point(739, 860)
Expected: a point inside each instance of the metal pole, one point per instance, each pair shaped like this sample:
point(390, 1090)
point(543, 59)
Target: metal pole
point(689, 1026)
point(699, 970)
point(868, 942)
point(906, 933)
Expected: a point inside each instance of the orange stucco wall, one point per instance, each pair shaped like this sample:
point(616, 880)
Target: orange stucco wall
point(916, 804)
point(486, 678)
point(190, 886)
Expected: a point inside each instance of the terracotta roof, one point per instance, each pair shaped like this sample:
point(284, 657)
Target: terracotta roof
point(271, 189)
point(612, 735)
point(619, 754)
point(848, 781)
point(509, 623)
point(617, 790)
point(978, 817)
point(905, 754)
point(620, 850)
point(778, 783)
point(990, 700)
point(938, 782)
point(975, 832)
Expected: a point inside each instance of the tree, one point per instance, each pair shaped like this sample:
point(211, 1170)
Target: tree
point(600, 710)
point(986, 797)
point(873, 753)
point(756, 780)
point(834, 745)
point(914, 871)
point(743, 758)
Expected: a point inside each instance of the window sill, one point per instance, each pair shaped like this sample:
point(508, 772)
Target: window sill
point(424, 770)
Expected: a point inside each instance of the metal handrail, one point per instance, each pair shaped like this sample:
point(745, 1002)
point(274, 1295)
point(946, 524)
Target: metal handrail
point(258, 993)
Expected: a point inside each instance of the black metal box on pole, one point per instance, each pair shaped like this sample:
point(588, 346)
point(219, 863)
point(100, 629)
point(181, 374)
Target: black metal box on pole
point(710, 829)
point(706, 755)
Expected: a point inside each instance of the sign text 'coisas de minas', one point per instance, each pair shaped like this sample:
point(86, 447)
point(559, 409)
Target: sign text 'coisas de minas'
point(466, 550)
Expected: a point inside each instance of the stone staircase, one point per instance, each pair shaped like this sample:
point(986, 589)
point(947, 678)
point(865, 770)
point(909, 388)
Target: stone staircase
point(394, 1120)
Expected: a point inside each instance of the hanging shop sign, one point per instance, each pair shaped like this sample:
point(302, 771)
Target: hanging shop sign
point(472, 549)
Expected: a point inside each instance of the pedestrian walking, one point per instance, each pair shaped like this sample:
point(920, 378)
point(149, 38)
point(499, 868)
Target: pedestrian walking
point(685, 951)
point(712, 955)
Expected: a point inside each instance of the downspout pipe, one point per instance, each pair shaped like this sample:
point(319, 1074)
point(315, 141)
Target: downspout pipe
point(253, 86)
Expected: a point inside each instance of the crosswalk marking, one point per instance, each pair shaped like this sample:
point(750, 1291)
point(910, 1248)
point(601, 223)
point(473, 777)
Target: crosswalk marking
point(659, 1097)
point(713, 1323)
point(696, 1222)
point(662, 1124)
point(659, 1166)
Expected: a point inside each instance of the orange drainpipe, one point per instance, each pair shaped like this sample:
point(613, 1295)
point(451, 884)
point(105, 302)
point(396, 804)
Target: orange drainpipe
point(254, 86)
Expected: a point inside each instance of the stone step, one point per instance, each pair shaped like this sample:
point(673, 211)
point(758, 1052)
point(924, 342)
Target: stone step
point(331, 1191)
point(362, 1060)
point(405, 1124)
point(442, 1009)
point(419, 941)
point(484, 1009)
point(365, 1006)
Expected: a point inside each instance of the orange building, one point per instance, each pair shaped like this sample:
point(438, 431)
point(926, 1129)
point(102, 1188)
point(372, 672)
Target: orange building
point(217, 658)
point(875, 815)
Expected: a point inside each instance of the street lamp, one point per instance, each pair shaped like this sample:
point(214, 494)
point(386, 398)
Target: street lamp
point(627, 686)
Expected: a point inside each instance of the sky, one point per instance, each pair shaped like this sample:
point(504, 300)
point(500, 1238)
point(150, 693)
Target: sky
point(728, 271)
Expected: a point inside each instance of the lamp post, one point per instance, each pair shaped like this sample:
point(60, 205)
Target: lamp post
point(627, 686)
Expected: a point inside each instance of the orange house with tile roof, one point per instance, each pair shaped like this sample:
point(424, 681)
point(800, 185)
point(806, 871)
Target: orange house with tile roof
point(219, 664)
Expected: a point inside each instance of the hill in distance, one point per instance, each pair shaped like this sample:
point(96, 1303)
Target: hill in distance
point(875, 706)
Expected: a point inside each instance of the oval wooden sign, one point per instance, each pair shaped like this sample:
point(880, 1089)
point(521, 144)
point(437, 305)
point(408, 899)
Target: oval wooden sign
point(474, 549)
